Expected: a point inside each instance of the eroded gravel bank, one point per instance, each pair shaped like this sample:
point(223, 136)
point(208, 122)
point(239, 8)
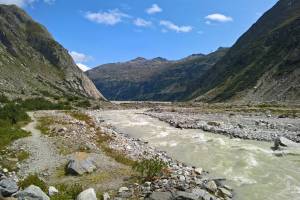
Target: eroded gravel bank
point(245, 126)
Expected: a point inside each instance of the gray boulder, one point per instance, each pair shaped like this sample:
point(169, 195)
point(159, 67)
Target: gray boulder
point(186, 196)
point(160, 196)
point(8, 187)
point(88, 194)
point(82, 163)
point(283, 146)
point(32, 193)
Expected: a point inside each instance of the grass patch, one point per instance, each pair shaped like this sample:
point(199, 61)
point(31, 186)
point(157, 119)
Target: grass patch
point(9, 134)
point(81, 117)
point(67, 192)
point(103, 141)
point(44, 125)
point(33, 179)
point(22, 155)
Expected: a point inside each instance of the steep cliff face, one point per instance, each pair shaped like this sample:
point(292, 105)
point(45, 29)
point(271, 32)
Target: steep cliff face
point(263, 65)
point(33, 63)
point(155, 79)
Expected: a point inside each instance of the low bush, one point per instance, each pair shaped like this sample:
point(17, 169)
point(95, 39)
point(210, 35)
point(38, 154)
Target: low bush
point(150, 168)
point(83, 104)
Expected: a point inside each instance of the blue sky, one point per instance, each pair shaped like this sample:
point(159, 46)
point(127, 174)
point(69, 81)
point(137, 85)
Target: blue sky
point(104, 31)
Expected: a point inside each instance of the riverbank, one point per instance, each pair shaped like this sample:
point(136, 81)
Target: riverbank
point(252, 126)
point(62, 137)
point(180, 182)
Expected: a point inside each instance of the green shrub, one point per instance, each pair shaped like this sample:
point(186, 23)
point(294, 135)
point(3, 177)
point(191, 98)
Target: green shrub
point(13, 113)
point(33, 179)
point(41, 104)
point(150, 168)
point(83, 104)
point(67, 192)
point(3, 99)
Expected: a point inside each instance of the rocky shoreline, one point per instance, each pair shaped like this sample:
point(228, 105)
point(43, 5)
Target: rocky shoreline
point(182, 182)
point(244, 126)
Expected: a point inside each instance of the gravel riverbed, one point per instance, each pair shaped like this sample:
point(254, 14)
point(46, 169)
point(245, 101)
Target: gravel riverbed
point(260, 127)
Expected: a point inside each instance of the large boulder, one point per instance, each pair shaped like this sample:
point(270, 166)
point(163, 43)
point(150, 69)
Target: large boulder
point(283, 145)
point(284, 142)
point(32, 193)
point(82, 163)
point(8, 187)
point(88, 194)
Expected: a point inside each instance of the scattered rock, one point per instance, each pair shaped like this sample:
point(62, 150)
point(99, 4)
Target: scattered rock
point(199, 171)
point(52, 191)
point(123, 189)
point(32, 193)
point(106, 196)
point(88, 194)
point(225, 192)
point(211, 186)
point(186, 196)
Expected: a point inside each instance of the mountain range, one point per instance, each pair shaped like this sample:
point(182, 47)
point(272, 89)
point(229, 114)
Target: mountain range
point(32, 63)
point(263, 65)
point(155, 79)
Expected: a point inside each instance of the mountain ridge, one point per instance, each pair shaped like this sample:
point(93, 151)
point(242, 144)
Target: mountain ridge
point(32, 63)
point(150, 79)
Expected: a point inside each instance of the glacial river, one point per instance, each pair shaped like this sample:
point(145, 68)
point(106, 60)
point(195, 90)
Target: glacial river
point(250, 167)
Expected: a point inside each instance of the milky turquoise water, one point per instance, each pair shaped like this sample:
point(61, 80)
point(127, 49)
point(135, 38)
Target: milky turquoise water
point(250, 167)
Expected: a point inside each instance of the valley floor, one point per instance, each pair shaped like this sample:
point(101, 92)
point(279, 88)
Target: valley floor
point(106, 135)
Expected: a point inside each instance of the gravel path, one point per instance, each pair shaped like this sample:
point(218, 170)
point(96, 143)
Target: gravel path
point(43, 154)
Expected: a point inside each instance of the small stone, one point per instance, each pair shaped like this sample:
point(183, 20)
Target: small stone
point(52, 191)
point(147, 184)
point(181, 178)
point(225, 192)
point(123, 189)
point(106, 196)
point(5, 170)
point(199, 171)
point(211, 186)
point(88, 194)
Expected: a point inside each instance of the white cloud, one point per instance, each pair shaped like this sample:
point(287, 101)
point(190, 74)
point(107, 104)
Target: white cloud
point(179, 29)
point(154, 9)
point(83, 67)
point(141, 22)
point(219, 17)
point(110, 17)
point(80, 57)
point(22, 3)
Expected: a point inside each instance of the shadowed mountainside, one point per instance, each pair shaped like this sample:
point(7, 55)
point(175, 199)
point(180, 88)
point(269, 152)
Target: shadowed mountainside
point(263, 65)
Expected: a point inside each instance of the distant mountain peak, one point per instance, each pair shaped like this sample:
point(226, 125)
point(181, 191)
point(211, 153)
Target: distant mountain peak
point(159, 59)
point(138, 59)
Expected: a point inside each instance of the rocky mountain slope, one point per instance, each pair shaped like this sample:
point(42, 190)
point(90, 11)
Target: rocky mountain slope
point(32, 63)
point(263, 65)
point(155, 79)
